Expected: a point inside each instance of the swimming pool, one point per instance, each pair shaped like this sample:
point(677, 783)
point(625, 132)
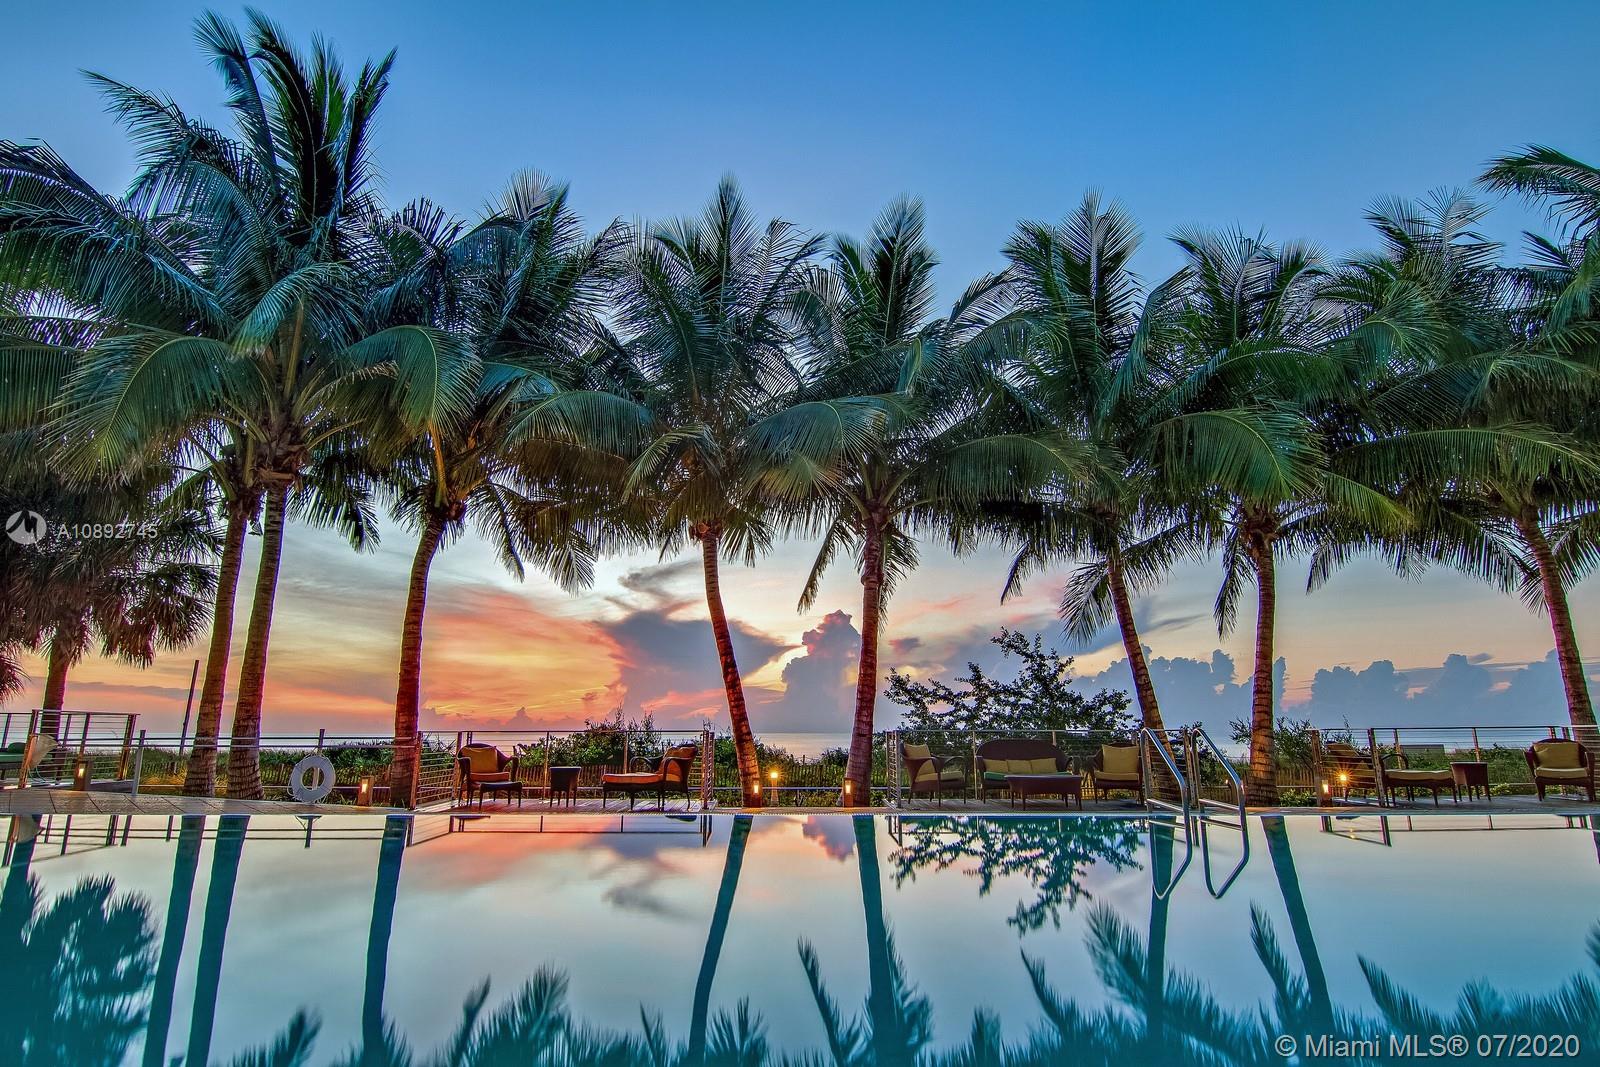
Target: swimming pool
point(748, 940)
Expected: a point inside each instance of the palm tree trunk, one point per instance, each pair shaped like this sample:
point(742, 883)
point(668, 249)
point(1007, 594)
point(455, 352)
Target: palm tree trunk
point(408, 696)
point(1143, 687)
point(1294, 902)
point(62, 653)
point(1579, 707)
point(225, 856)
point(244, 748)
point(858, 766)
point(1262, 789)
point(385, 894)
point(1162, 845)
point(744, 742)
point(889, 1039)
point(201, 777)
point(700, 1015)
point(184, 864)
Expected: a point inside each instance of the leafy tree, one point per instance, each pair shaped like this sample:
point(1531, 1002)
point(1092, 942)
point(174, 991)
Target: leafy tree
point(1039, 697)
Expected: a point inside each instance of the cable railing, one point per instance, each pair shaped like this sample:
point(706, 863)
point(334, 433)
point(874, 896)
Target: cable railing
point(1458, 762)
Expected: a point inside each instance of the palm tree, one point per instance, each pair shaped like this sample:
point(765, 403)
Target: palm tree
point(1091, 372)
point(248, 275)
point(710, 307)
point(942, 453)
point(1248, 336)
point(127, 571)
point(185, 862)
point(519, 296)
point(226, 853)
point(727, 889)
point(1482, 378)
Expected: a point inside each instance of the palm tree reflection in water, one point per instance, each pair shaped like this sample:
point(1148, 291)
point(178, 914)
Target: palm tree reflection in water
point(77, 974)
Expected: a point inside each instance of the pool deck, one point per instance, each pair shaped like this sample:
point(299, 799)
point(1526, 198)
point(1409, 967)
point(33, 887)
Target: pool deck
point(77, 802)
point(97, 802)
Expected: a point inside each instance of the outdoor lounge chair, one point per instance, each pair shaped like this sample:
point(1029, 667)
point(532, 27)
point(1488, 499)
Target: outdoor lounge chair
point(1006, 755)
point(669, 775)
point(1394, 779)
point(1349, 770)
point(930, 774)
point(1117, 767)
point(1557, 763)
point(24, 758)
point(486, 769)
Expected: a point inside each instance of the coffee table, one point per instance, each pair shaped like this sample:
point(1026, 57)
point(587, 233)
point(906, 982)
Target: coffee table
point(1066, 786)
point(1471, 775)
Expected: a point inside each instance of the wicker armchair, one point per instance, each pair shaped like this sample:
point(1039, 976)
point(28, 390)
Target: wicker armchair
point(1117, 767)
point(478, 765)
point(930, 774)
point(1557, 763)
point(669, 774)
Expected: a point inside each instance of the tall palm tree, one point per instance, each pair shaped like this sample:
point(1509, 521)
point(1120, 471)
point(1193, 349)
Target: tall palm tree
point(242, 336)
point(1093, 372)
point(185, 862)
point(709, 306)
point(727, 889)
point(1249, 336)
point(943, 452)
point(1483, 378)
point(519, 296)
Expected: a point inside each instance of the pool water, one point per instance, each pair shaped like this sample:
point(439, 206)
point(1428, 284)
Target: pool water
point(722, 939)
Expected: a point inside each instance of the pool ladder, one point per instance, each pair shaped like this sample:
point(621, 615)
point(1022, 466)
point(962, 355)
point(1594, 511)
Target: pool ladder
point(1188, 746)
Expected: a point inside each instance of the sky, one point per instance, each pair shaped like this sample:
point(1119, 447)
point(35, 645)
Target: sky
point(1288, 119)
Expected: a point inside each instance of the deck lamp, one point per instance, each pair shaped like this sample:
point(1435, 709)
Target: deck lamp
point(364, 791)
point(849, 791)
point(755, 789)
point(80, 775)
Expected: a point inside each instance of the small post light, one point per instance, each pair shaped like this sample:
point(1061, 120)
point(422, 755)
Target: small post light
point(1326, 788)
point(849, 792)
point(80, 775)
point(364, 791)
point(755, 789)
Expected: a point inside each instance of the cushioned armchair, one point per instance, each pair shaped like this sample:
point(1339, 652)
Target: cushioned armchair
point(1117, 767)
point(479, 764)
point(934, 775)
point(1004, 756)
point(669, 774)
point(1559, 763)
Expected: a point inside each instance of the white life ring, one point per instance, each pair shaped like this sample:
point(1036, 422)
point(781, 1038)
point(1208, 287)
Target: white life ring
point(311, 780)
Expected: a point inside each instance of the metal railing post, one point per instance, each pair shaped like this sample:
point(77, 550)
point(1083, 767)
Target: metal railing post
point(1377, 765)
point(322, 735)
point(1477, 750)
point(138, 762)
point(547, 760)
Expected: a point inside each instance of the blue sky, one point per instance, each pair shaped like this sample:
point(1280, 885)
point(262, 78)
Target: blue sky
point(1290, 118)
